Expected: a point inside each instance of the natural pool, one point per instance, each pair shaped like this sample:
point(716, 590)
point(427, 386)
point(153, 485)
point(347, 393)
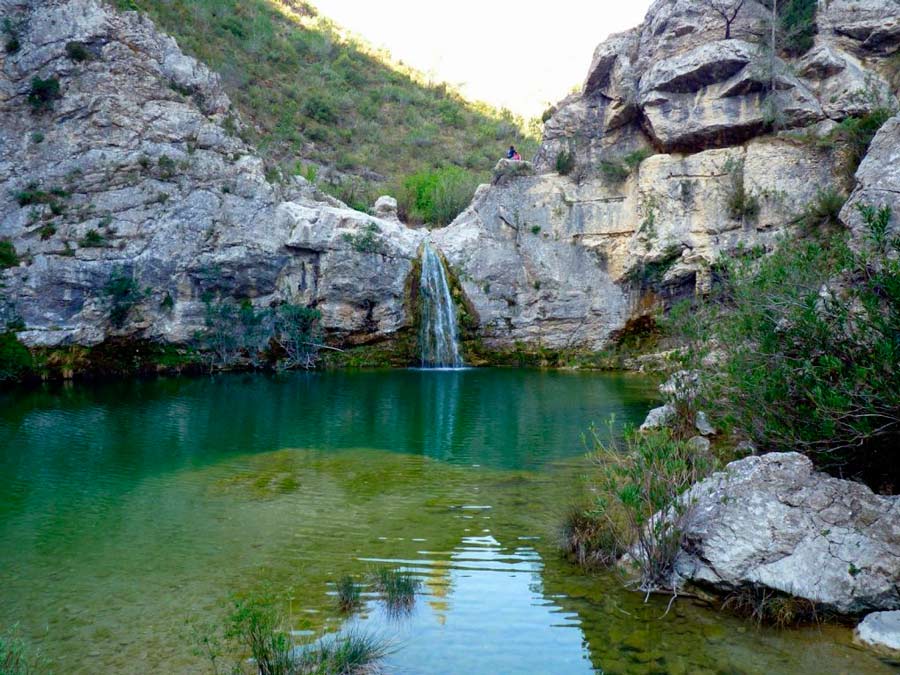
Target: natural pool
point(128, 508)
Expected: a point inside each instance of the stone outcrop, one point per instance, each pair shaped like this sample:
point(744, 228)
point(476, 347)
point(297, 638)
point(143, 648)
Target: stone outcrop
point(773, 521)
point(877, 180)
point(137, 168)
point(672, 123)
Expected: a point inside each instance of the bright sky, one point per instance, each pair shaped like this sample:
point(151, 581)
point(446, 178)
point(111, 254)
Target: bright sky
point(519, 54)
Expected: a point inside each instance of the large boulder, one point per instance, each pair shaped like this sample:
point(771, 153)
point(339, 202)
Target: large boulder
point(881, 630)
point(877, 181)
point(773, 521)
point(136, 169)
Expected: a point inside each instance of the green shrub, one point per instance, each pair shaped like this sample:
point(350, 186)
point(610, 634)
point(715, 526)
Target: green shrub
point(8, 256)
point(742, 204)
point(320, 108)
point(92, 239)
point(565, 162)
point(167, 167)
point(639, 476)
point(47, 230)
point(11, 42)
point(15, 363)
point(855, 134)
point(37, 137)
point(122, 294)
point(798, 25)
point(437, 197)
point(592, 540)
point(78, 52)
point(43, 93)
point(297, 334)
point(367, 240)
point(614, 171)
point(633, 159)
point(825, 209)
point(813, 358)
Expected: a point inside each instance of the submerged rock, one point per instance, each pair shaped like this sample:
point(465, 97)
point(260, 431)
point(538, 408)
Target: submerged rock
point(881, 629)
point(773, 521)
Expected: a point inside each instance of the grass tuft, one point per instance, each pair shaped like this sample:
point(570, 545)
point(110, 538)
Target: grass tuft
point(397, 587)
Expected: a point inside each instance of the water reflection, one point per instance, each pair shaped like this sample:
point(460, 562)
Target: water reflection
point(482, 607)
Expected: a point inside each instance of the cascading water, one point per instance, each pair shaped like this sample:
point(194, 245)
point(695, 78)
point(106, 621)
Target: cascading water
point(438, 332)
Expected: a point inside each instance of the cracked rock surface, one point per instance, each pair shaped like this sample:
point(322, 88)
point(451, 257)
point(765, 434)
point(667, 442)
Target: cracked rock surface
point(137, 167)
point(774, 521)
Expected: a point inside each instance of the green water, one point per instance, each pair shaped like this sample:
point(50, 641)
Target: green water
point(128, 508)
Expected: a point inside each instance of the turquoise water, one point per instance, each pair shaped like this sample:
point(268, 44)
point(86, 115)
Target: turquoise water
point(129, 508)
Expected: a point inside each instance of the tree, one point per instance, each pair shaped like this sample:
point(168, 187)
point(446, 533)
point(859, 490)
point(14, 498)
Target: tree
point(728, 10)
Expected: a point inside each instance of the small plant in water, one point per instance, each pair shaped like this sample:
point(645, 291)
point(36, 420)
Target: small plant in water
point(397, 587)
point(349, 653)
point(16, 657)
point(348, 592)
point(768, 607)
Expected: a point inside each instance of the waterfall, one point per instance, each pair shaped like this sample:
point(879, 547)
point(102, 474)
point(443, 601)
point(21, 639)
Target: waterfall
point(438, 332)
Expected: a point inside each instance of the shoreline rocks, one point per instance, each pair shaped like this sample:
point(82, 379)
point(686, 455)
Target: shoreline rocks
point(773, 521)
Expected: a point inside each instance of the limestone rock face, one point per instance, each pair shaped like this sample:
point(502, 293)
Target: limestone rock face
point(136, 170)
point(774, 521)
point(877, 180)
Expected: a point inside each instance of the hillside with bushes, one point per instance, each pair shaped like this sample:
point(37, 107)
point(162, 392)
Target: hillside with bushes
point(319, 102)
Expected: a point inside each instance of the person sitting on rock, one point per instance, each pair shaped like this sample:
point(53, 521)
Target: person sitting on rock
point(517, 157)
point(512, 152)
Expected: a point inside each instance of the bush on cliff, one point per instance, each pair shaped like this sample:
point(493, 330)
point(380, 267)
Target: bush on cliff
point(812, 354)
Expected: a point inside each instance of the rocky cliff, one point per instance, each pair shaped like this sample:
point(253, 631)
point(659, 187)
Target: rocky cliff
point(682, 146)
point(119, 156)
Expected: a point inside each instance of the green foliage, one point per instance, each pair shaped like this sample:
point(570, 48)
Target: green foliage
point(37, 137)
point(649, 275)
point(348, 593)
point(640, 476)
point(168, 303)
point(166, 167)
point(633, 159)
point(307, 89)
point(15, 363)
point(32, 195)
point(351, 652)
point(92, 239)
point(47, 230)
point(11, 41)
point(17, 658)
point(43, 93)
point(8, 256)
point(122, 294)
point(437, 196)
point(255, 624)
point(825, 209)
point(743, 205)
point(397, 587)
point(813, 358)
point(798, 25)
point(78, 52)
point(614, 172)
point(285, 337)
point(855, 134)
point(565, 162)
point(367, 240)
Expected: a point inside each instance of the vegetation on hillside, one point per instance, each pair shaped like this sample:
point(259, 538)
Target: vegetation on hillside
point(318, 99)
point(813, 360)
